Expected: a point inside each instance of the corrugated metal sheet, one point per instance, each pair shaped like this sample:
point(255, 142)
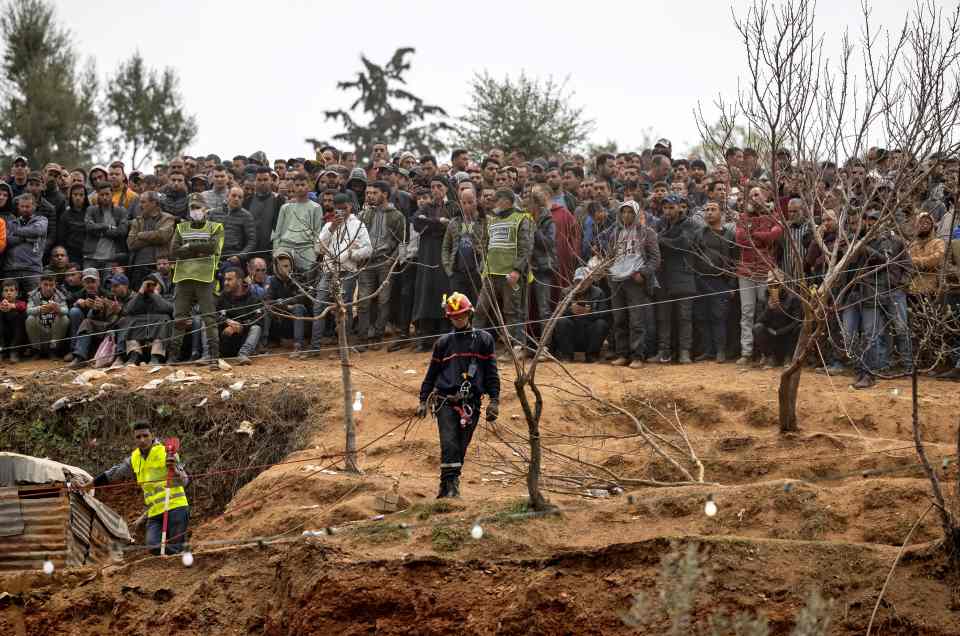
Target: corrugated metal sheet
point(44, 533)
point(42, 521)
point(23, 469)
point(11, 519)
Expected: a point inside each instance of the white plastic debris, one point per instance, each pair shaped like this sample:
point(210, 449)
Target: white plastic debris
point(151, 385)
point(710, 509)
point(180, 375)
point(48, 567)
point(894, 392)
point(62, 403)
point(236, 386)
point(410, 372)
point(224, 395)
point(85, 378)
point(187, 559)
point(476, 531)
point(155, 369)
point(202, 402)
point(246, 428)
point(222, 364)
point(358, 402)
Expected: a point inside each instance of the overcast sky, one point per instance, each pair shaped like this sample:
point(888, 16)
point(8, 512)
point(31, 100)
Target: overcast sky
point(258, 75)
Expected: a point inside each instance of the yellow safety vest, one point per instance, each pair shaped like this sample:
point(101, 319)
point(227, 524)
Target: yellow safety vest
point(152, 476)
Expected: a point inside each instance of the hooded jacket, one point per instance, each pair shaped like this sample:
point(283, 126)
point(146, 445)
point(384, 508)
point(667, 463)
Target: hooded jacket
point(635, 247)
point(73, 224)
point(358, 176)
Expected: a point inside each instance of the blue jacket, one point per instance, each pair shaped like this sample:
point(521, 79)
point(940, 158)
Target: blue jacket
point(26, 242)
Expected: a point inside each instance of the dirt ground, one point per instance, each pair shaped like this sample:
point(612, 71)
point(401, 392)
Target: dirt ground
point(824, 509)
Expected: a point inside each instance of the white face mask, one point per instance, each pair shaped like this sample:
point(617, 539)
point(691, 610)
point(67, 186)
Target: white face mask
point(198, 215)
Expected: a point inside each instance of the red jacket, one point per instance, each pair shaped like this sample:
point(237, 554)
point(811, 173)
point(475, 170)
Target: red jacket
point(568, 244)
point(757, 238)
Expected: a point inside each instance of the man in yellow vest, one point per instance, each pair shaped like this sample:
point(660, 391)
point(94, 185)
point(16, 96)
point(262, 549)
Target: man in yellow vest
point(197, 245)
point(506, 264)
point(149, 463)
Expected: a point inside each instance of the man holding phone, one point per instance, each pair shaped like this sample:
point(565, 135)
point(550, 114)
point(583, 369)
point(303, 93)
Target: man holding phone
point(149, 314)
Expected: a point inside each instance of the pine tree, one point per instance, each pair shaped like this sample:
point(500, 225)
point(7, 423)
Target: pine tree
point(47, 111)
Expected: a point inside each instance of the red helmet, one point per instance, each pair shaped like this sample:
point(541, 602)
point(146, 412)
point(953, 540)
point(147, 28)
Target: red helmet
point(456, 304)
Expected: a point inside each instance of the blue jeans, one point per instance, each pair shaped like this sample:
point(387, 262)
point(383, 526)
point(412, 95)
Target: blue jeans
point(81, 345)
point(348, 285)
point(864, 351)
point(895, 315)
point(177, 521)
point(271, 322)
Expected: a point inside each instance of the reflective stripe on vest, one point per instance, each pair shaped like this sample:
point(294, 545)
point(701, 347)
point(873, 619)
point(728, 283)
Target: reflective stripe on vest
point(502, 248)
point(152, 476)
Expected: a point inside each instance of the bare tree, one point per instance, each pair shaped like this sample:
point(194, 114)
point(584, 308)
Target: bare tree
point(898, 86)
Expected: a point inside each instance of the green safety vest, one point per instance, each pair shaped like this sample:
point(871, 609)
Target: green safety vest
point(201, 268)
point(152, 476)
point(502, 248)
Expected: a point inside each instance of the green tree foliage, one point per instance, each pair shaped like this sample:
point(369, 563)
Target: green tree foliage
point(395, 115)
point(523, 114)
point(146, 110)
point(47, 105)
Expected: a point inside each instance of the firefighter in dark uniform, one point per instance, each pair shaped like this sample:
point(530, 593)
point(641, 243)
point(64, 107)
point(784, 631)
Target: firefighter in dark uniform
point(462, 369)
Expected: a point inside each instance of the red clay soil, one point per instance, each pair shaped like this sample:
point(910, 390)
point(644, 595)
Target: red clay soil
point(824, 509)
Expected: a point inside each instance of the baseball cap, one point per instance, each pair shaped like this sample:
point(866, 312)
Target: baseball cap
point(664, 142)
point(35, 176)
point(674, 199)
point(540, 163)
point(120, 279)
point(581, 273)
point(196, 200)
point(21, 159)
point(90, 272)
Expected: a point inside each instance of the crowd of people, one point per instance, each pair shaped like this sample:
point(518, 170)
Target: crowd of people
point(687, 262)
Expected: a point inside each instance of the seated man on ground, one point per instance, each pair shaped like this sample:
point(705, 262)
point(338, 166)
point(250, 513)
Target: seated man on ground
point(240, 317)
point(778, 325)
point(284, 295)
point(102, 319)
point(149, 315)
point(47, 322)
point(584, 325)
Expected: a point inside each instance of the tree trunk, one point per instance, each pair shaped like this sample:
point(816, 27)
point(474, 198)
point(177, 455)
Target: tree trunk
point(790, 378)
point(537, 500)
point(350, 457)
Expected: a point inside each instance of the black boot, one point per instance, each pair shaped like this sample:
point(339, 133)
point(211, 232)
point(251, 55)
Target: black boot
point(454, 488)
point(444, 489)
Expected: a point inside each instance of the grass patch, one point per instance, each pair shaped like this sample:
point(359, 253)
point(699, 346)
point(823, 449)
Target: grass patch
point(424, 511)
point(381, 532)
point(448, 538)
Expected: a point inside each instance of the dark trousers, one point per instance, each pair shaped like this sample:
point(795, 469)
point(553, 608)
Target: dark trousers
point(468, 283)
point(13, 332)
point(674, 316)
point(177, 521)
point(454, 438)
point(629, 326)
point(711, 318)
point(407, 282)
point(779, 347)
point(571, 335)
point(370, 279)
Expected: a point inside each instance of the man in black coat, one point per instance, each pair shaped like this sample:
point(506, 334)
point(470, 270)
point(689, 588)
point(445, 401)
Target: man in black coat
point(679, 284)
point(585, 323)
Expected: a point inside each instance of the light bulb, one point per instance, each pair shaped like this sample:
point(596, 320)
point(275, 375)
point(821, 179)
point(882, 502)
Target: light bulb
point(711, 508)
point(188, 559)
point(476, 531)
point(48, 567)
